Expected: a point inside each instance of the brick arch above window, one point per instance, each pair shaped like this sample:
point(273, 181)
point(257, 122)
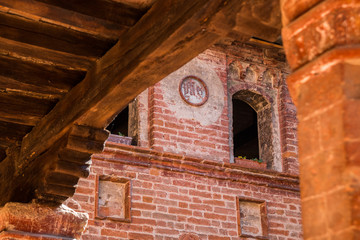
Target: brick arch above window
point(255, 100)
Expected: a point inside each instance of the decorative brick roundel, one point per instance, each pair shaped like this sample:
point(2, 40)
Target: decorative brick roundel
point(193, 91)
point(189, 236)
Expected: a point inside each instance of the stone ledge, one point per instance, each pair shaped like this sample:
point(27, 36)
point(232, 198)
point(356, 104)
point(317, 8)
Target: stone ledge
point(138, 156)
point(36, 220)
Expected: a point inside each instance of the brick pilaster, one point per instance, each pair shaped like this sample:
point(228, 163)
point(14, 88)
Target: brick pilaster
point(321, 39)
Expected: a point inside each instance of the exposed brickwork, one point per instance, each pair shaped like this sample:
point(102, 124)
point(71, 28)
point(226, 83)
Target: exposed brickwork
point(238, 67)
point(192, 135)
point(183, 182)
point(172, 195)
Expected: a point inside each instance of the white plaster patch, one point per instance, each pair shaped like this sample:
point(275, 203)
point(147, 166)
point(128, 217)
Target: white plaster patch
point(206, 114)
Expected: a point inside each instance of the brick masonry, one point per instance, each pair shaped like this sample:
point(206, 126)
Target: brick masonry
point(206, 131)
point(182, 182)
point(172, 195)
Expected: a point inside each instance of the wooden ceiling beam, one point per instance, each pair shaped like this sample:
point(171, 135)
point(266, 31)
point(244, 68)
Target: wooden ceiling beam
point(43, 56)
point(32, 29)
point(20, 88)
point(114, 11)
point(42, 75)
point(67, 18)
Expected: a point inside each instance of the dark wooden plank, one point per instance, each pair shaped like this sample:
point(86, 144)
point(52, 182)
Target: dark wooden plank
point(32, 30)
point(23, 109)
point(23, 119)
point(152, 49)
point(43, 56)
point(15, 87)
point(138, 4)
point(2, 153)
point(42, 75)
point(108, 10)
point(71, 19)
point(11, 132)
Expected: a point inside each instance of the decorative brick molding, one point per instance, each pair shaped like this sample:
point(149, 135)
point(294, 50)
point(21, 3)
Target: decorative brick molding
point(37, 221)
point(138, 156)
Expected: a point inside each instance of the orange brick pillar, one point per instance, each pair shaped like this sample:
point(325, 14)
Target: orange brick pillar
point(322, 44)
point(34, 222)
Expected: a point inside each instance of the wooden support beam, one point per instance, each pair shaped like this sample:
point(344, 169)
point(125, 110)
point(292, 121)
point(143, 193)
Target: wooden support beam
point(32, 30)
point(260, 18)
point(43, 56)
point(55, 176)
point(42, 75)
point(115, 11)
point(67, 18)
point(151, 50)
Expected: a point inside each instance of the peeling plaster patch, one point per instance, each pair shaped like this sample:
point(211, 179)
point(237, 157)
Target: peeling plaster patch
point(206, 114)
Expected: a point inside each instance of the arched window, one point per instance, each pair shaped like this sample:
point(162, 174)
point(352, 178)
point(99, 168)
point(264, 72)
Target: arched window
point(245, 130)
point(252, 127)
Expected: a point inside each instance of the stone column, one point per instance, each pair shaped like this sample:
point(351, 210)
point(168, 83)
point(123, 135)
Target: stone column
point(34, 222)
point(322, 44)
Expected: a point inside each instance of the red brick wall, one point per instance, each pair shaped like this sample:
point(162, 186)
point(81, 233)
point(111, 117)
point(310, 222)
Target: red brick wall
point(181, 180)
point(188, 136)
point(172, 195)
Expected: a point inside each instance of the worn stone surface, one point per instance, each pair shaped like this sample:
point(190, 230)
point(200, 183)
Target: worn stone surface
point(325, 89)
point(112, 196)
point(330, 24)
point(40, 220)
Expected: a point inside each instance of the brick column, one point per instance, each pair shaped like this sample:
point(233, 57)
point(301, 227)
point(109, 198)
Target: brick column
point(322, 43)
point(35, 222)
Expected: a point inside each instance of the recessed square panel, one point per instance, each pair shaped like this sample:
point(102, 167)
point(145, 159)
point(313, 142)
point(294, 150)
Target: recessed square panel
point(113, 198)
point(252, 218)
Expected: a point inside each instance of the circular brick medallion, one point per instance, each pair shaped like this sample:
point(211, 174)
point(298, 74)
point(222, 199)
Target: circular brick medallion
point(193, 91)
point(189, 236)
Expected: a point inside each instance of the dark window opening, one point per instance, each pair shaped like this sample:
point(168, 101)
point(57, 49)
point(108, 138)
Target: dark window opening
point(245, 130)
point(120, 125)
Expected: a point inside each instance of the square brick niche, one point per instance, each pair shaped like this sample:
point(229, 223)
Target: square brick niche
point(252, 219)
point(112, 200)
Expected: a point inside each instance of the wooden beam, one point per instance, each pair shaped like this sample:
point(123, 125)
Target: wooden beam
point(259, 18)
point(16, 25)
point(20, 88)
point(23, 109)
point(67, 18)
point(114, 11)
point(148, 52)
point(43, 56)
point(43, 75)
